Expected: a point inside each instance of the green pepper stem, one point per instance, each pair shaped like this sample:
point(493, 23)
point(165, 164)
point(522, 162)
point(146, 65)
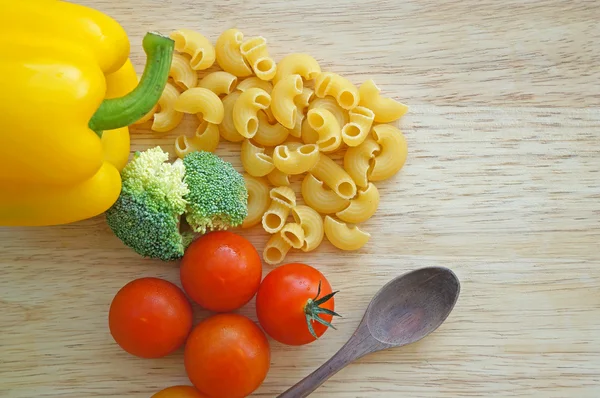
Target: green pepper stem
point(119, 112)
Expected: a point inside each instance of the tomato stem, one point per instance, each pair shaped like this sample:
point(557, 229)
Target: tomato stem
point(312, 310)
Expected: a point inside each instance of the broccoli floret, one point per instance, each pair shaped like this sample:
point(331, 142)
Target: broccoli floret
point(146, 215)
point(218, 198)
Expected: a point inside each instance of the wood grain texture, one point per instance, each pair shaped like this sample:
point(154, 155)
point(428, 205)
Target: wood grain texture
point(502, 185)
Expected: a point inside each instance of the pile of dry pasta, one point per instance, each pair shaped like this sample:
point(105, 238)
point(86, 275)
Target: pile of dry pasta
point(286, 128)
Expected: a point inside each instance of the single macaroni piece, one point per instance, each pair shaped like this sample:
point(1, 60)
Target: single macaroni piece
point(228, 54)
point(298, 160)
point(182, 73)
point(278, 179)
point(167, 117)
point(344, 237)
point(361, 120)
point(282, 103)
point(318, 197)
point(386, 109)
point(206, 139)
point(196, 46)
point(255, 161)
point(297, 64)
point(310, 136)
point(358, 161)
point(284, 195)
point(393, 152)
point(269, 134)
point(245, 109)
point(219, 82)
point(227, 127)
point(312, 225)
point(332, 106)
point(258, 200)
point(255, 52)
point(293, 234)
point(325, 124)
point(338, 87)
point(276, 250)
point(275, 216)
point(255, 82)
point(201, 100)
point(362, 207)
point(334, 176)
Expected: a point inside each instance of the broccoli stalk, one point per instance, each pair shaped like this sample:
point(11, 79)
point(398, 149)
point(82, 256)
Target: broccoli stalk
point(155, 194)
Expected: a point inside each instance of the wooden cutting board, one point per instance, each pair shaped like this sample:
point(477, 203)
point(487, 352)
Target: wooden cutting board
point(501, 185)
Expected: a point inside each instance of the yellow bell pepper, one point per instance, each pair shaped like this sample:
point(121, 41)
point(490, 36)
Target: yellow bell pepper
point(68, 94)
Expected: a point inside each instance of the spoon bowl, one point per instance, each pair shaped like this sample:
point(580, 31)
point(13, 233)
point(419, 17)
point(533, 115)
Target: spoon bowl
point(413, 305)
point(404, 311)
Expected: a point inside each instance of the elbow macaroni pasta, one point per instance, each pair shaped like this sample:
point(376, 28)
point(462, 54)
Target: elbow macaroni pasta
point(258, 200)
point(255, 52)
point(312, 225)
point(228, 54)
point(386, 109)
point(245, 109)
point(393, 152)
point(293, 234)
point(206, 139)
point(196, 46)
point(219, 82)
point(325, 124)
point(334, 176)
point(255, 161)
point(182, 73)
point(282, 100)
point(292, 127)
point(297, 160)
point(361, 120)
point(278, 178)
point(276, 250)
point(269, 134)
point(344, 237)
point(362, 207)
point(227, 127)
point(297, 64)
point(167, 118)
point(340, 88)
point(274, 218)
point(332, 106)
point(358, 161)
point(255, 82)
point(283, 195)
point(323, 200)
point(200, 100)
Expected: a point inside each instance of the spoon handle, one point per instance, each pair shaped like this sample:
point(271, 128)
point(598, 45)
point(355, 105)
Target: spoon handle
point(357, 346)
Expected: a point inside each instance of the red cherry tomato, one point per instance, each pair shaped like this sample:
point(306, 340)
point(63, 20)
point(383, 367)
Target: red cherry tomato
point(286, 296)
point(150, 317)
point(179, 392)
point(227, 356)
point(221, 271)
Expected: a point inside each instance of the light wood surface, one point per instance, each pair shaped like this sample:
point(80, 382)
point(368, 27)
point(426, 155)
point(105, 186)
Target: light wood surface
point(502, 185)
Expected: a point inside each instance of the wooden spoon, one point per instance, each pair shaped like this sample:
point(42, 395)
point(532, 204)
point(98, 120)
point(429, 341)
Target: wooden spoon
point(405, 310)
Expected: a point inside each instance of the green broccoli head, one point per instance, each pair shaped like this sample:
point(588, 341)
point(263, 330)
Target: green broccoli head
point(217, 197)
point(146, 215)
